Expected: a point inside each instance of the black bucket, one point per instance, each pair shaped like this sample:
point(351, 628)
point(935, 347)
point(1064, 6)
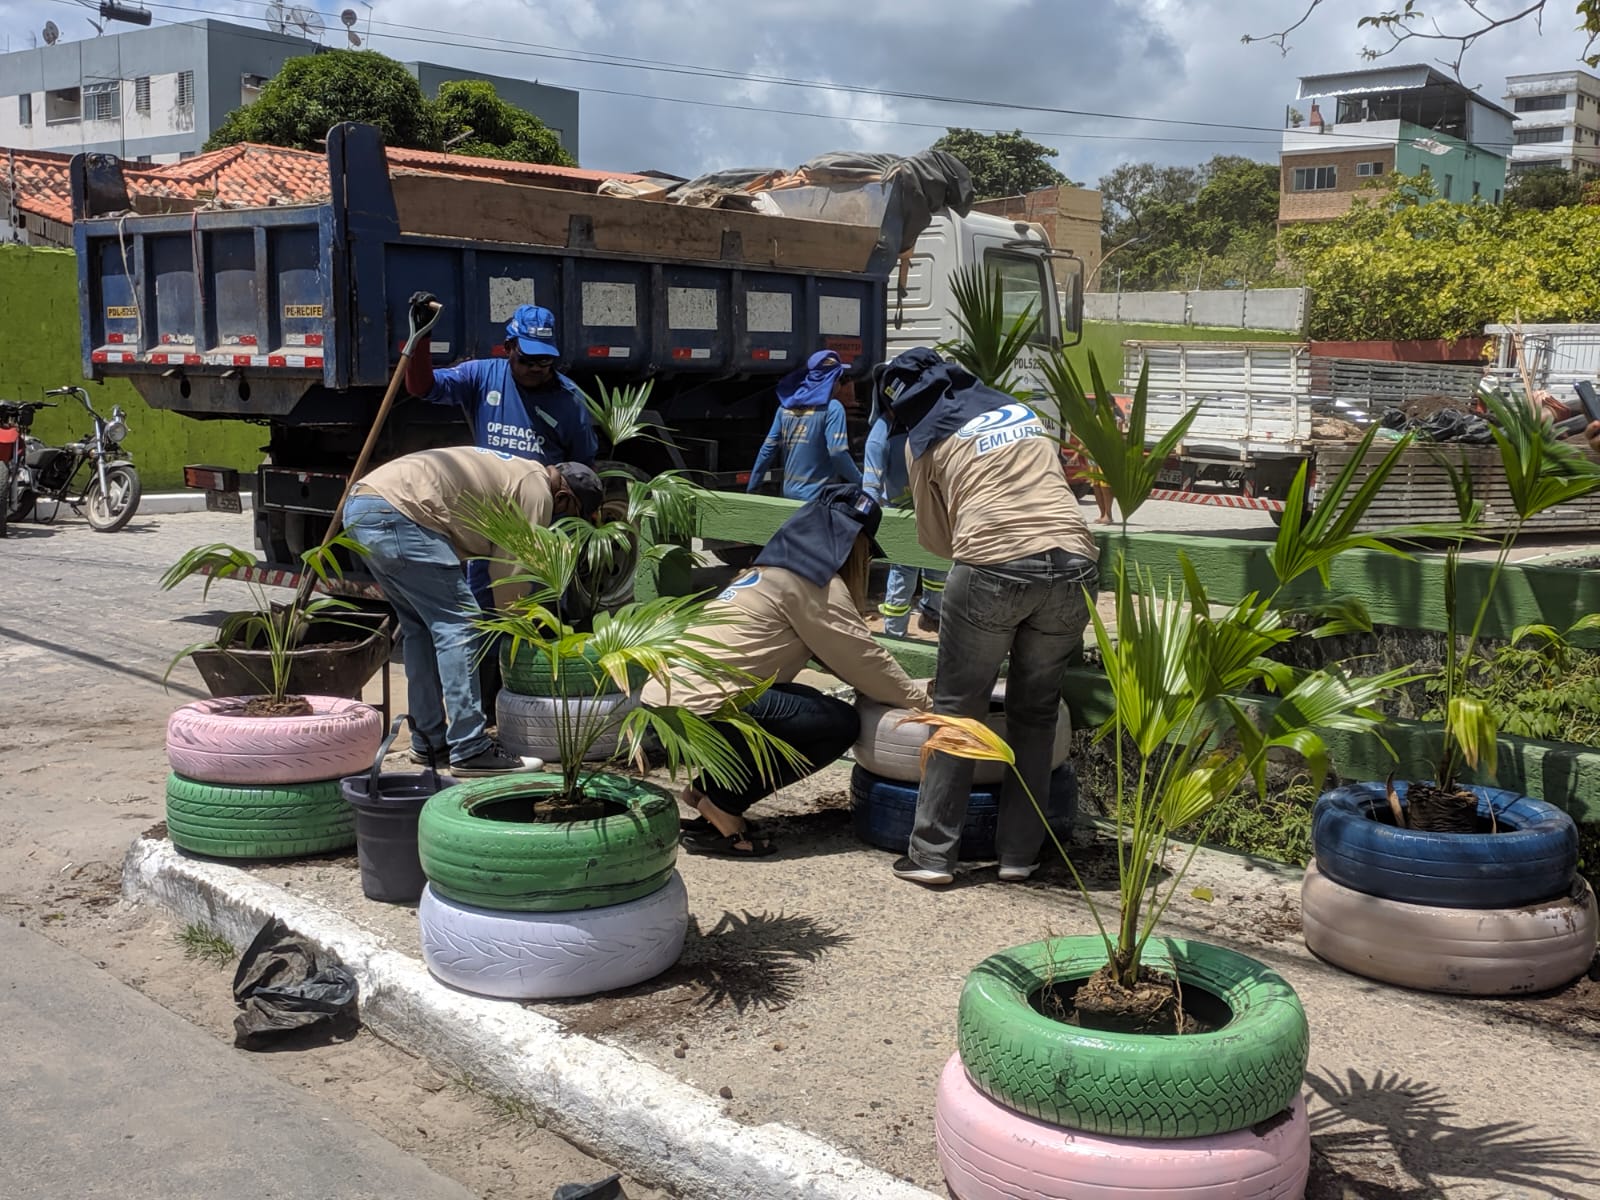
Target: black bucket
point(387, 807)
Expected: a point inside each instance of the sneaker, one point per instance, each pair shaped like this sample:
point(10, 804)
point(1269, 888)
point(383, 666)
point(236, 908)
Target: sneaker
point(493, 761)
point(420, 757)
point(1017, 874)
point(905, 868)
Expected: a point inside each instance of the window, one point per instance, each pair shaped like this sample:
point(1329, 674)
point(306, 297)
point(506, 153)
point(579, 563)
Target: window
point(1449, 180)
point(102, 101)
point(141, 95)
point(185, 89)
point(1497, 195)
point(1540, 103)
point(25, 109)
point(1022, 288)
point(1529, 137)
point(62, 106)
point(186, 155)
point(1425, 169)
point(1581, 99)
point(1369, 168)
point(1316, 179)
point(1477, 188)
point(250, 88)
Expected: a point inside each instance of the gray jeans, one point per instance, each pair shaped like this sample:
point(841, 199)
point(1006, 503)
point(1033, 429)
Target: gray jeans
point(1034, 609)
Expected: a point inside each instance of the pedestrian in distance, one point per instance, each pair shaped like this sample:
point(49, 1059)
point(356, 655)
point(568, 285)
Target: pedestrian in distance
point(808, 437)
point(408, 515)
point(990, 495)
point(802, 600)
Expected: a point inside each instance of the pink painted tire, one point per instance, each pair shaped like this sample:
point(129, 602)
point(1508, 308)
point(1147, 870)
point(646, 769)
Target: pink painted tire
point(1456, 951)
point(989, 1152)
point(211, 741)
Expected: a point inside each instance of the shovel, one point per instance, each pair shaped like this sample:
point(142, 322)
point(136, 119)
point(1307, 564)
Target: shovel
point(308, 579)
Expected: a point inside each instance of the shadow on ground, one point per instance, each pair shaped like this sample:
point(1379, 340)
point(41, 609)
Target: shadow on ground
point(1391, 1138)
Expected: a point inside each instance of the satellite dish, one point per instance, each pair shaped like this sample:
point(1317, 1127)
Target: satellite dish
point(348, 16)
point(355, 38)
point(98, 28)
point(51, 33)
point(1431, 146)
point(307, 22)
point(277, 20)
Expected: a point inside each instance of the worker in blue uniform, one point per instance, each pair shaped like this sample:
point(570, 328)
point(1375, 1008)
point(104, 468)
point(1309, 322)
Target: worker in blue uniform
point(887, 479)
point(808, 433)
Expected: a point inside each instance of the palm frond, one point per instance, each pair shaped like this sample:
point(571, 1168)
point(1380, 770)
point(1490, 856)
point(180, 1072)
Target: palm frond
point(619, 412)
point(991, 339)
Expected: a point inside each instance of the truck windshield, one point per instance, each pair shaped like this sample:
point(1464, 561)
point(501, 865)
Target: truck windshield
point(1022, 278)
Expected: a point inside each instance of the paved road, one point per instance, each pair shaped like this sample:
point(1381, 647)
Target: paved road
point(105, 1093)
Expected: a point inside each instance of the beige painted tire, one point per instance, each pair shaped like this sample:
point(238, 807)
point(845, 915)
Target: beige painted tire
point(1458, 951)
point(893, 751)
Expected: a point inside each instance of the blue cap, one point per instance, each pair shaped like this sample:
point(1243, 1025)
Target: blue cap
point(534, 328)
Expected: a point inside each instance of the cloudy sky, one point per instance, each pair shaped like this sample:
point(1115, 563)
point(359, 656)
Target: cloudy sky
point(653, 106)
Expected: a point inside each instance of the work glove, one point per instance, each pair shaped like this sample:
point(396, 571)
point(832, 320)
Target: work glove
point(421, 309)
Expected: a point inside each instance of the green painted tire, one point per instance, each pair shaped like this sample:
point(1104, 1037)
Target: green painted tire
point(234, 821)
point(530, 675)
point(532, 867)
point(1132, 1085)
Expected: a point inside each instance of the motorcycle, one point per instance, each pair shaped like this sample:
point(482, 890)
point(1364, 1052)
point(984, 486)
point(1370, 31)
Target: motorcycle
point(46, 474)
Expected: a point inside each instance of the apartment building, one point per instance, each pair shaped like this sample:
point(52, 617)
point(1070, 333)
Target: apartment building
point(1558, 120)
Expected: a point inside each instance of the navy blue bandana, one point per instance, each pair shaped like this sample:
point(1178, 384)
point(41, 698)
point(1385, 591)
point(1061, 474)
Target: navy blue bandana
point(931, 398)
point(816, 541)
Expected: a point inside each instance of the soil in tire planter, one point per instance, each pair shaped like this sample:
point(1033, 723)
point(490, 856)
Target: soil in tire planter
point(266, 706)
point(543, 809)
point(1431, 809)
point(1156, 1006)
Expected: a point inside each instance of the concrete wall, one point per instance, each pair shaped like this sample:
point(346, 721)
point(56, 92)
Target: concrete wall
point(39, 349)
point(557, 107)
point(1276, 309)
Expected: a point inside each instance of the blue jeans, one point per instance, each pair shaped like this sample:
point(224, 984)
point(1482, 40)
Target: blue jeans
point(820, 727)
point(1036, 610)
point(896, 606)
point(420, 574)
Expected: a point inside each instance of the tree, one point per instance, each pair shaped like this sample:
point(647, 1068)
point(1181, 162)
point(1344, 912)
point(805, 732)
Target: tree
point(494, 128)
point(1002, 164)
point(1544, 188)
point(311, 94)
point(1460, 32)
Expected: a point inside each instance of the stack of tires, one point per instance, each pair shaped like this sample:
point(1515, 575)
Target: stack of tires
point(265, 787)
point(532, 704)
point(884, 781)
point(531, 909)
point(1032, 1106)
point(1492, 913)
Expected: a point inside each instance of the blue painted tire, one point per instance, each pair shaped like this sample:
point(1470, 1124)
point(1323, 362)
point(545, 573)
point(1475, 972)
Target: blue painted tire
point(1534, 858)
point(883, 812)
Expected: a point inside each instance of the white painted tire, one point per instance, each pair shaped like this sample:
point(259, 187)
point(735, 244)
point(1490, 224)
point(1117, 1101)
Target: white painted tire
point(529, 725)
point(553, 955)
point(1457, 951)
point(989, 1152)
point(893, 751)
point(213, 742)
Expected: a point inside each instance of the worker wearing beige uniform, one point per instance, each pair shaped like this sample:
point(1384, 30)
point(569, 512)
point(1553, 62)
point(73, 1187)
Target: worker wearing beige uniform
point(802, 599)
point(408, 514)
point(989, 494)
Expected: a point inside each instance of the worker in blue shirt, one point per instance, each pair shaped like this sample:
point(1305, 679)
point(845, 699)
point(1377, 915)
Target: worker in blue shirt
point(886, 478)
point(809, 429)
point(519, 404)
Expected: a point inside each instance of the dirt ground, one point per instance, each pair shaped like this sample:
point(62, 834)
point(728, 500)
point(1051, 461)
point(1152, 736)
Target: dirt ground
point(816, 987)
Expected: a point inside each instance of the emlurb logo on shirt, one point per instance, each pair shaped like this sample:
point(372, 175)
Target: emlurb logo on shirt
point(747, 580)
point(492, 399)
point(1002, 427)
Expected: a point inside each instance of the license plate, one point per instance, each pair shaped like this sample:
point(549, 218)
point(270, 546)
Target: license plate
point(226, 502)
point(1169, 479)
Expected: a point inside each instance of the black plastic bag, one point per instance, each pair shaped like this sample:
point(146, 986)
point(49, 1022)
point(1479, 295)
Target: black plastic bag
point(282, 988)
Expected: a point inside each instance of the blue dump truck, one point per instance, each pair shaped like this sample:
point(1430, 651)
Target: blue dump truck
point(293, 316)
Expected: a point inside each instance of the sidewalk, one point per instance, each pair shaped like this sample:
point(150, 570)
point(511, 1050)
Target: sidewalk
point(107, 1094)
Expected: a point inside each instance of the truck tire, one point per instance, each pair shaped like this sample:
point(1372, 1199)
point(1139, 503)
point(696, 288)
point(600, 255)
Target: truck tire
point(212, 741)
point(529, 674)
point(554, 866)
point(1534, 857)
point(989, 1152)
point(553, 955)
point(882, 812)
point(892, 750)
point(258, 822)
point(1134, 1085)
point(1456, 951)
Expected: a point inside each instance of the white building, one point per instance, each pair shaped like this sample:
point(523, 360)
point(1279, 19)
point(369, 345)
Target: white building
point(1558, 120)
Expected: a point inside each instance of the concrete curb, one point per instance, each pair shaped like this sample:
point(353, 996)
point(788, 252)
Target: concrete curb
point(631, 1114)
point(164, 503)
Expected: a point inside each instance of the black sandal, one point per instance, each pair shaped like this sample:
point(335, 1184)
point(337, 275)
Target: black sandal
point(727, 845)
point(699, 825)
